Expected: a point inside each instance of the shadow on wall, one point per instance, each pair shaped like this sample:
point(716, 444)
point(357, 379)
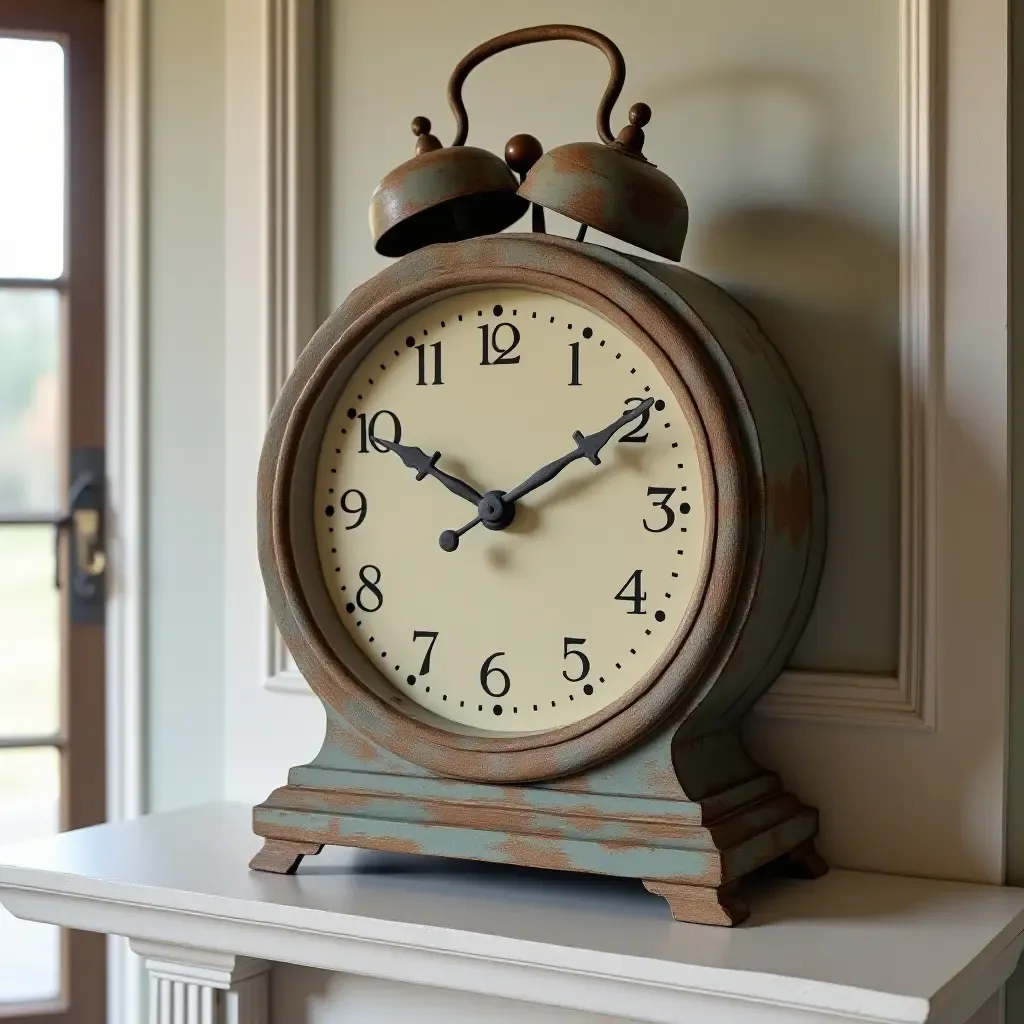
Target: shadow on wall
point(825, 287)
point(826, 291)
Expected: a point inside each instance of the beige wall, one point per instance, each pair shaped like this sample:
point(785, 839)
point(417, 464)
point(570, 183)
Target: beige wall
point(185, 507)
point(779, 121)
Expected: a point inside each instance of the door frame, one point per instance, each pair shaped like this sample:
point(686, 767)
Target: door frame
point(127, 131)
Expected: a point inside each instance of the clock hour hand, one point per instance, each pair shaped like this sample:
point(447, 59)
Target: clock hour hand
point(497, 509)
point(426, 465)
point(588, 446)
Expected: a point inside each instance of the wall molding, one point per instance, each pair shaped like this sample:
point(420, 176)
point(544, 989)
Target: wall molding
point(292, 241)
point(905, 699)
point(908, 698)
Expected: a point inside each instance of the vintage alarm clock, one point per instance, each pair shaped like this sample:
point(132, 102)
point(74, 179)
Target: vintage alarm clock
point(539, 522)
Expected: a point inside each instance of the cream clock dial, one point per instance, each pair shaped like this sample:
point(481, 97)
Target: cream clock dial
point(533, 624)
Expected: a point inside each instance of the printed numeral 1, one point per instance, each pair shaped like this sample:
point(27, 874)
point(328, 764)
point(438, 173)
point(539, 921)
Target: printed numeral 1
point(574, 375)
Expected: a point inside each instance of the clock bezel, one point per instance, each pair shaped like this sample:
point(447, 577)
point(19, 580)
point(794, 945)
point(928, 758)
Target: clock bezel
point(286, 505)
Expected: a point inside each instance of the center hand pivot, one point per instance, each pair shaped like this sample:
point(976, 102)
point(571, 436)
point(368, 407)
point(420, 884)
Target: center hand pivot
point(496, 509)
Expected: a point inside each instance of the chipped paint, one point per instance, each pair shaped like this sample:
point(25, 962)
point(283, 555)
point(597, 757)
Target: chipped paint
point(660, 788)
point(790, 503)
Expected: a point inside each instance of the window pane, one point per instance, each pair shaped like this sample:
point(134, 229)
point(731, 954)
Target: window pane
point(31, 158)
point(29, 633)
point(30, 330)
point(29, 809)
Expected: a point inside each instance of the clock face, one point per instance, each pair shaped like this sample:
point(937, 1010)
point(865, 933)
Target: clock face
point(547, 621)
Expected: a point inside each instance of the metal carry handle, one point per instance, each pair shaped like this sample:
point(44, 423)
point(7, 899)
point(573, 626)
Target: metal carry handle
point(539, 34)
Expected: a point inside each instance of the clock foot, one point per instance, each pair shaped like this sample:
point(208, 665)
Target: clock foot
point(282, 856)
point(701, 904)
point(804, 861)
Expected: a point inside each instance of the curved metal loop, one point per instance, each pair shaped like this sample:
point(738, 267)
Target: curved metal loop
point(539, 34)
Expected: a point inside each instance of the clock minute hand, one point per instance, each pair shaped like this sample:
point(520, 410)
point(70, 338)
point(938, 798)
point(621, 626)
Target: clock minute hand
point(587, 446)
point(495, 508)
point(426, 465)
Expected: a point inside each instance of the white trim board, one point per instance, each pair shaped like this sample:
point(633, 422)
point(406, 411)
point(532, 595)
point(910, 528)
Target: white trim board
point(851, 946)
point(126, 439)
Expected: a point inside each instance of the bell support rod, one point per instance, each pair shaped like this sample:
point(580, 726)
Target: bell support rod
point(521, 153)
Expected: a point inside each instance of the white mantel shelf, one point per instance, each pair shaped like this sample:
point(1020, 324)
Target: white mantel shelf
point(848, 947)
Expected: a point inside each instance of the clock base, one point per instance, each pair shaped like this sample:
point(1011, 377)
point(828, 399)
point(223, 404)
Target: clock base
point(699, 904)
point(689, 826)
point(282, 857)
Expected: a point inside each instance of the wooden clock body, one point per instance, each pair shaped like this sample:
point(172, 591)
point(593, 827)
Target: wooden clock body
point(656, 785)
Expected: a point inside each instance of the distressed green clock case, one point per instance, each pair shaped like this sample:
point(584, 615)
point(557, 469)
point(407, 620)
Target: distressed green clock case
point(661, 790)
point(656, 785)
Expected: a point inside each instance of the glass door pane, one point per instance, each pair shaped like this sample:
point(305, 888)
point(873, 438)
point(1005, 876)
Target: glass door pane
point(31, 158)
point(32, 232)
point(30, 798)
point(30, 421)
point(29, 633)
point(29, 809)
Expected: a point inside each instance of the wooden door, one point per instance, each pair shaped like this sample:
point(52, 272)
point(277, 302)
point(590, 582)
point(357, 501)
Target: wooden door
point(51, 474)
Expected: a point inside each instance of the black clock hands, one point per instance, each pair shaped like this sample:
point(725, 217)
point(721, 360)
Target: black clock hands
point(426, 465)
point(587, 447)
point(496, 510)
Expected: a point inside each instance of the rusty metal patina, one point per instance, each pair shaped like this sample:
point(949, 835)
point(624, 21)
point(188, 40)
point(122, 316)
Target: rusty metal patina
point(443, 195)
point(609, 188)
point(451, 193)
point(448, 194)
